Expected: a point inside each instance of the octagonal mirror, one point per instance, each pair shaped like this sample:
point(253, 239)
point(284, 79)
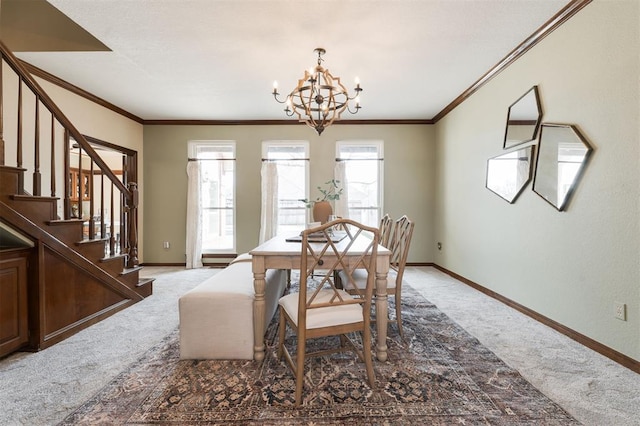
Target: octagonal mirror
point(508, 174)
point(562, 156)
point(523, 119)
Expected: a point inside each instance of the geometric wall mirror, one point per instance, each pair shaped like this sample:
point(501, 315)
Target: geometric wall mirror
point(508, 174)
point(562, 156)
point(523, 119)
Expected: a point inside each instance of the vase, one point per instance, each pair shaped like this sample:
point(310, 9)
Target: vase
point(321, 211)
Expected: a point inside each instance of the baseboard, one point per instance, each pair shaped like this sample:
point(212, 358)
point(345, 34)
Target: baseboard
point(205, 265)
point(163, 264)
point(420, 264)
point(612, 354)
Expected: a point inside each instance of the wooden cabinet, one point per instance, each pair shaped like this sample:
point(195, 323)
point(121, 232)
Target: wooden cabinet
point(14, 314)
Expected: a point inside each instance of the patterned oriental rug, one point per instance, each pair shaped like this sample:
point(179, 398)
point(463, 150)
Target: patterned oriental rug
point(440, 375)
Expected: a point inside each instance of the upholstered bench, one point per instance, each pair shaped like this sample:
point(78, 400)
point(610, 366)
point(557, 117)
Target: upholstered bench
point(216, 317)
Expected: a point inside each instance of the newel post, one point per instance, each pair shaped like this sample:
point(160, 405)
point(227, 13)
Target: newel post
point(132, 204)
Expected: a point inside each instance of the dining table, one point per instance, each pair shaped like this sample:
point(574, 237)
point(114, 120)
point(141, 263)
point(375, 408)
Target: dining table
point(284, 252)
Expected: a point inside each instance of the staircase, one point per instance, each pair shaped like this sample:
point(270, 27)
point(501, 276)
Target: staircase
point(79, 263)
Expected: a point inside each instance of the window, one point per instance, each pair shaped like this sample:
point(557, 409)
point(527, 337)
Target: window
point(364, 178)
point(292, 161)
point(217, 194)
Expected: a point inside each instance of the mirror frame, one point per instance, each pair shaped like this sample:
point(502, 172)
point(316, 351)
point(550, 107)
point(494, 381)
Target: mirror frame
point(512, 122)
point(513, 179)
point(544, 130)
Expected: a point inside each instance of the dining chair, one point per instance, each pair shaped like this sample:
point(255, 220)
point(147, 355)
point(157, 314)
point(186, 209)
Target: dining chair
point(386, 224)
point(320, 309)
point(399, 244)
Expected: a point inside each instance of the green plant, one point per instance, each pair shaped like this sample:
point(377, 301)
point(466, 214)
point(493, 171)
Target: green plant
point(330, 192)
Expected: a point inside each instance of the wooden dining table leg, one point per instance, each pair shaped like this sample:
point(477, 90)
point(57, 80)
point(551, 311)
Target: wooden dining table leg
point(382, 310)
point(259, 273)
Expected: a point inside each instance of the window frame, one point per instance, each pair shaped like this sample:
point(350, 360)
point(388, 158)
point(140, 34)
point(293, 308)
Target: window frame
point(193, 146)
point(266, 144)
point(379, 145)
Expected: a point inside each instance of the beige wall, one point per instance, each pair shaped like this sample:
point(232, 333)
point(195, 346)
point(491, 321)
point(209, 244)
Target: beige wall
point(569, 266)
point(96, 121)
point(408, 176)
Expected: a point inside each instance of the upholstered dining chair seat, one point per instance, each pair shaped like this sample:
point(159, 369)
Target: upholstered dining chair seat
point(360, 279)
point(325, 317)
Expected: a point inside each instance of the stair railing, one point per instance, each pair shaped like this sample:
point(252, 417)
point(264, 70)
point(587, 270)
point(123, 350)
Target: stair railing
point(127, 187)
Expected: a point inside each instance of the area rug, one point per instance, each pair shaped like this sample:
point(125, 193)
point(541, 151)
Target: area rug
point(438, 375)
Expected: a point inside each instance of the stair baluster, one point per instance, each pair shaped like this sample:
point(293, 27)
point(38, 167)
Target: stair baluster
point(53, 157)
point(37, 178)
point(112, 227)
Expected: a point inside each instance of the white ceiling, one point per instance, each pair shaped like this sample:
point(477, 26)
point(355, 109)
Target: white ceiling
point(217, 59)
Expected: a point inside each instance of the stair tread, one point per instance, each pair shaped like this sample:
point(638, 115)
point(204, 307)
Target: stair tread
point(34, 197)
point(114, 257)
point(126, 271)
point(12, 168)
point(95, 240)
point(145, 281)
point(63, 221)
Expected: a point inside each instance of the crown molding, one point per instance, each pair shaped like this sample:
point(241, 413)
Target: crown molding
point(547, 28)
point(78, 91)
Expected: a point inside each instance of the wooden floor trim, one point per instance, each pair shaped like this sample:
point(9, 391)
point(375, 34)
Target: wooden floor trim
point(604, 350)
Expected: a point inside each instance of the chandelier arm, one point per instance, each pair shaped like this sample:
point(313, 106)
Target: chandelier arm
point(355, 111)
point(275, 96)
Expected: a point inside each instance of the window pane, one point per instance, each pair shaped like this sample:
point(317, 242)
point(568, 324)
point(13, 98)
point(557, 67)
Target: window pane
point(358, 152)
point(363, 166)
point(217, 183)
point(217, 193)
point(366, 216)
point(362, 178)
point(209, 151)
point(291, 161)
point(217, 229)
point(291, 188)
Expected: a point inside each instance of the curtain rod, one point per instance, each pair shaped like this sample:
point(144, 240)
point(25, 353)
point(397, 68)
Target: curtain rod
point(359, 159)
point(211, 159)
point(284, 159)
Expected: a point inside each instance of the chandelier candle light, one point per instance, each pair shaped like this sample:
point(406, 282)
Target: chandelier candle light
point(319, 98)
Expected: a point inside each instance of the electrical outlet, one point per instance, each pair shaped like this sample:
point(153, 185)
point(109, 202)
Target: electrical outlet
point(620, 311)
point(165, 245)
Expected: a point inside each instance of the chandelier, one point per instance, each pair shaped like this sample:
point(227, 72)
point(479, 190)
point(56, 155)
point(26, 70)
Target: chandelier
point(319, 98)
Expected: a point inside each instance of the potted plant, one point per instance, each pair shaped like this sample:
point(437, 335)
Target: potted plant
point(322, 208)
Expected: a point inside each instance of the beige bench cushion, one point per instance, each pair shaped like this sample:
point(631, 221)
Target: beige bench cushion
point(216, 317)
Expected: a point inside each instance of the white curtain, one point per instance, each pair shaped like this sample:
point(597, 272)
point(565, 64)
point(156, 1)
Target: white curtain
point(342, 204)
point(194, 216)
point(269, 208)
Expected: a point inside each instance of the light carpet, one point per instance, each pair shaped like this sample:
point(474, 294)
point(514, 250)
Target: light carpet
point(439, 375)
point(43, 388)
